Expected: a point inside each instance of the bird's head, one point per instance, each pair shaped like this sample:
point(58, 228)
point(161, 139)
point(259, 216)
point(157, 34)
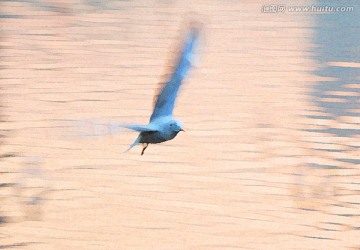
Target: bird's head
point(176, 126)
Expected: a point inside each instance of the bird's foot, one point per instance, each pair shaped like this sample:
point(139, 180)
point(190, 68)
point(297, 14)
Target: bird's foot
point(142, 152)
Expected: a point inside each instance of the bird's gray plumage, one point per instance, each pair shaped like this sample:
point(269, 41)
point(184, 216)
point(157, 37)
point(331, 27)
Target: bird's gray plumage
point(162, 126)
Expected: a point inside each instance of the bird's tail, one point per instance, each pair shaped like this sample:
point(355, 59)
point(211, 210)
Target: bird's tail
point(136, 142)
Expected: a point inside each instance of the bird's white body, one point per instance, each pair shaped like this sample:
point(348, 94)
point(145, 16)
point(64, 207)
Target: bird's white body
point(167, 129)
point(162, 129)
point(162, 135)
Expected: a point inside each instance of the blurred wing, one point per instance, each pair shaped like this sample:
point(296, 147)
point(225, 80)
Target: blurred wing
point(81, 129)
point(141, 128)
point(165, 103)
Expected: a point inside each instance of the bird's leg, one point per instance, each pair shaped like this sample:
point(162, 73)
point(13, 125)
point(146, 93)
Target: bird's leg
point(142, 152)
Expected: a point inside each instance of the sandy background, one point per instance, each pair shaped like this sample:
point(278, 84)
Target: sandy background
point(259, 166)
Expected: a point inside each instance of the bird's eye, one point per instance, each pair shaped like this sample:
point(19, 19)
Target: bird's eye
point(171, 125)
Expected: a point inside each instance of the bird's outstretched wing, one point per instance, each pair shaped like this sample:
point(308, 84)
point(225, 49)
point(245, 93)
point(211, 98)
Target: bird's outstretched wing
point(165, 102)
point(141, 128)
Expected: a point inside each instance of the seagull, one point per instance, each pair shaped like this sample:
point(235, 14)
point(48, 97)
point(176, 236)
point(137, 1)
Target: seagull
point(162, 125)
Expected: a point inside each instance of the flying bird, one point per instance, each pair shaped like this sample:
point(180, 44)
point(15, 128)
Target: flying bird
point(162, 125)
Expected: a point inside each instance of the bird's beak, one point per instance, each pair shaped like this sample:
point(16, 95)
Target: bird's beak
point(182, 130)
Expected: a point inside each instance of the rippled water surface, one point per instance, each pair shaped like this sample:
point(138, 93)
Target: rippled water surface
point(271, 151)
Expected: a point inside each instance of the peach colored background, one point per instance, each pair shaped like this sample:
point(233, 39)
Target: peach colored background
point(237, 179)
